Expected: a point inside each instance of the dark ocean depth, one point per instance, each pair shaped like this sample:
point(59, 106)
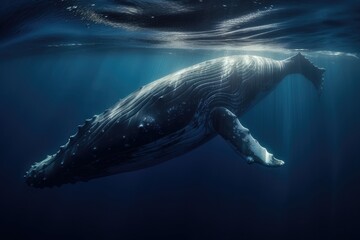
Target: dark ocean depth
point(64, 61)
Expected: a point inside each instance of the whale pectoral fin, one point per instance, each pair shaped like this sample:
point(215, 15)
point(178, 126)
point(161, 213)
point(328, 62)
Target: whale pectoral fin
point(226, 124)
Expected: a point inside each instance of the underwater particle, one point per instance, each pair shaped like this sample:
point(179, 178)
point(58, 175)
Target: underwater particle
point(70, 8)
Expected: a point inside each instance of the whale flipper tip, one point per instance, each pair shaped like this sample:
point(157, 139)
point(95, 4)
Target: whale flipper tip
point(276, 162)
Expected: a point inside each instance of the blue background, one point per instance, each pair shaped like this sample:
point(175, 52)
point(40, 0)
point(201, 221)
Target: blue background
point(209, 193)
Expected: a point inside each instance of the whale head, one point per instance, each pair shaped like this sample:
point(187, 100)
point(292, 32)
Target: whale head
point(49, 172)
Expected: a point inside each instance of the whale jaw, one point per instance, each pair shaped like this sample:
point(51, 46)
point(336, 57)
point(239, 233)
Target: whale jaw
point(47, 173)
point(36, 176)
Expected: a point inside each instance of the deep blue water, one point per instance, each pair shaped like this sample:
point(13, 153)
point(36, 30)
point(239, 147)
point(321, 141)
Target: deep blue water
point(59, 66)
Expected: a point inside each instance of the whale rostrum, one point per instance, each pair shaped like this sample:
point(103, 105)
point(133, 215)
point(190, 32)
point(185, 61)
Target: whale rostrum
point(172, 116)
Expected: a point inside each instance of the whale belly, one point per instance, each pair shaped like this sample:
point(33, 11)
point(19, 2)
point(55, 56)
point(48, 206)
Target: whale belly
point(163, 149)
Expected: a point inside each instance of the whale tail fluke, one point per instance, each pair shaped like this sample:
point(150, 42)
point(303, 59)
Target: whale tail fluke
point(302, 65)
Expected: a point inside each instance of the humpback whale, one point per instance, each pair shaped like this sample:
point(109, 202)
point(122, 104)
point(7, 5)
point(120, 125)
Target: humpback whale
point(171, 116)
